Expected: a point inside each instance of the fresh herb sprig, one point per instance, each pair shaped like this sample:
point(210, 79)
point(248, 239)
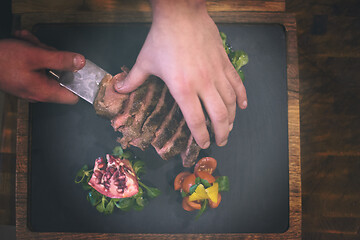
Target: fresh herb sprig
point(238, 58)
point(107, 205)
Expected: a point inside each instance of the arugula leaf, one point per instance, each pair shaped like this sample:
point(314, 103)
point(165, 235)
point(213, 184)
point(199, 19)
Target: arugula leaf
point(224, 184)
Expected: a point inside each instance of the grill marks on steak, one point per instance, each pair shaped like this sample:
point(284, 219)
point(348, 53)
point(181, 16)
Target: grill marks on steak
point(168, 127)
point(146, 106)
point(177, 143)
point(148, 115)
point(153, 122)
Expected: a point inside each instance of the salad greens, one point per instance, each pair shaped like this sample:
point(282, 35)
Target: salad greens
point(107, 205)
point(238, 58)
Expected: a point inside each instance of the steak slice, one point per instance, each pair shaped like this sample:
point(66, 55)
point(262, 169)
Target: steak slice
point(134, 130)
point(135, 102)
point(108, 103)
point(154, 121)
point(177, 143)
point(168, 127)
point(189, 156)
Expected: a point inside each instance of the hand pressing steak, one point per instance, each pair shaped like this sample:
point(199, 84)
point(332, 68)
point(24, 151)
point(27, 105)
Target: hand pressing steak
point(147, 116)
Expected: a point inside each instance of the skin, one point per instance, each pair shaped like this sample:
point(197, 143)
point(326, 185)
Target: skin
point(23, 62)
point(184, 49)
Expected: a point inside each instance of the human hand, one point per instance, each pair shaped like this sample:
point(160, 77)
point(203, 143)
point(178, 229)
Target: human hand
point(184, 48)
point(23, 64)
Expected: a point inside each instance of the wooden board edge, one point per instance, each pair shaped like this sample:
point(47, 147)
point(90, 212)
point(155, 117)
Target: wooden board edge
point(295, 211)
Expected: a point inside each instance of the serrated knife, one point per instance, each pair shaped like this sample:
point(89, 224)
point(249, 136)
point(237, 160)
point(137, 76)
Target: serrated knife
point(84, 83)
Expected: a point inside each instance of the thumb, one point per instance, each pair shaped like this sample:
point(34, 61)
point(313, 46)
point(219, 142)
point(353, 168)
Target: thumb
point(133, 80)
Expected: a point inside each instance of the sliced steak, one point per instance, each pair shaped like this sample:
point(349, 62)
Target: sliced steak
point(177, 143)
point(154, 121)
point(168, 127)
point(189, 156)
point(135, 102)
point(147, 105)
point(108, 103)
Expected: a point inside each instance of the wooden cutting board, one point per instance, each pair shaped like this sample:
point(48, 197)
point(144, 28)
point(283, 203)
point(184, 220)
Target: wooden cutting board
point(261, 158)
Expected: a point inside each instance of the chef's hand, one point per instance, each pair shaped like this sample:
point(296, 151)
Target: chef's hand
point(23, 62)
point(184, 48)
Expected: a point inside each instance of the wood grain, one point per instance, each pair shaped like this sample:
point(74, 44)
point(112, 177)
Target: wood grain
point(23, 161)
point(119, 6)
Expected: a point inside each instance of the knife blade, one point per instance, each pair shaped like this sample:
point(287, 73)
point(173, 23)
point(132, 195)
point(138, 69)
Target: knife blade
point(84, 83)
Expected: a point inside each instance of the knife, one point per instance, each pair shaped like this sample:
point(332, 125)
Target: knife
point(84, 83)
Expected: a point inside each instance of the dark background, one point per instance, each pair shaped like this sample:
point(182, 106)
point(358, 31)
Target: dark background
point(329, 61)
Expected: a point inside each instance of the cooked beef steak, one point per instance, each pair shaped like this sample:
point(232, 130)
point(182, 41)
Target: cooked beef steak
point(177, 143)
point(108, 103)
point(133, 130)
point(148, 115)
point(191, 152)
point(168, 127)
point(154, 121)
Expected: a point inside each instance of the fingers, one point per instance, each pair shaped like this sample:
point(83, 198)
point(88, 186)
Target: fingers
point(238, 86)
point(218, 113)
point(57, 60)
point(48, 90)
point(133, 80)
point(192, 111)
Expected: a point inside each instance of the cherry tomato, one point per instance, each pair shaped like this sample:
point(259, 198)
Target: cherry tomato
point(205, 175)
point(186, 206)
point(179, 179)
point(215, 205)
point(206, 164)
point(191, 205)
point(188, 182)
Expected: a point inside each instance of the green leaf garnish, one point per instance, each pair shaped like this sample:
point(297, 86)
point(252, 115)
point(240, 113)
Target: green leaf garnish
point(197, 180)
point(205, 183)
point(109, 208)
point(117, 151)
point(193, 188)
point(124, 204)
point(202, 209)
point(139, 167)
point(224, 184)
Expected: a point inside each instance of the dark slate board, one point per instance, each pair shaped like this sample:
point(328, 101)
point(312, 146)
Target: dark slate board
point(64, 138)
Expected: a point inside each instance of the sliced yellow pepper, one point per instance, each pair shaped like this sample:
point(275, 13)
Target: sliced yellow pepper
point(209, 193)
point(212, 192)
point(199, 194)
